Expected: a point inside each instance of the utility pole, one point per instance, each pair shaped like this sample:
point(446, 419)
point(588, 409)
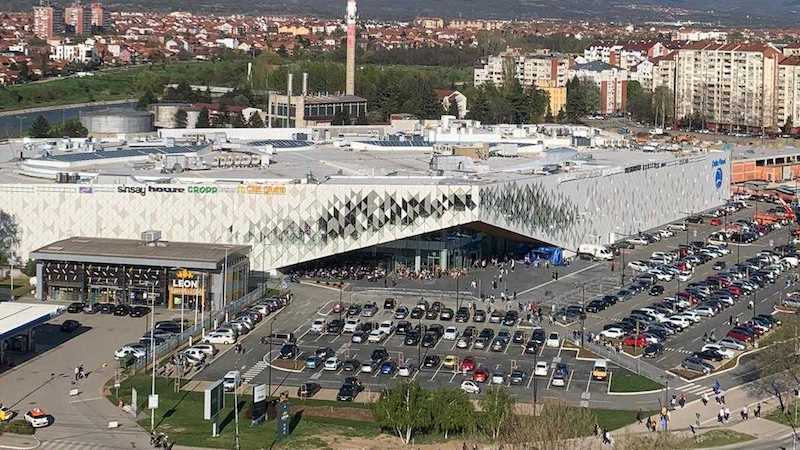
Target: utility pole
point(153, 351)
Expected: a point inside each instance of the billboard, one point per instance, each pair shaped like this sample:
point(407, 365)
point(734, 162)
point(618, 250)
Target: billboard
point(259, 402)
point(214, 400)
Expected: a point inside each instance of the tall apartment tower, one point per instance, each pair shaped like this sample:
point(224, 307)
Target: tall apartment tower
point(350, 83)
point(78, 18)
point(48, 20)
point(99, 16)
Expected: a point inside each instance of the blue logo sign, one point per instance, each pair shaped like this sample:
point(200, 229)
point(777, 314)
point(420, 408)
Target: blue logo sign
point(718, 162)
point(718, 178)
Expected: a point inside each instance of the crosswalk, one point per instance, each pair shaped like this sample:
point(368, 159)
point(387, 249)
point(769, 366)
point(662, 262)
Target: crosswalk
point(254, 371)
point(678, 350)
point(695, 389)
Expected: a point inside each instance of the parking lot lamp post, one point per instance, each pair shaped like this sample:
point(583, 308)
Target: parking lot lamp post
point(583, 312)
point(153, 351)
point(458, 275)
point(533, 373)
point(269, 363)
point(622, 268)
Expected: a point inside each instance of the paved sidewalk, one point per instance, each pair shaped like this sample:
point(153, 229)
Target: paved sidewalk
point(18, 442)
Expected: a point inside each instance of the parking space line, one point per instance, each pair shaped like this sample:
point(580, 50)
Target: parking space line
point(589, 383)
point(571, 374)
point(550, 380)
point(453, 377)
point(530, 380)
point(437, 371)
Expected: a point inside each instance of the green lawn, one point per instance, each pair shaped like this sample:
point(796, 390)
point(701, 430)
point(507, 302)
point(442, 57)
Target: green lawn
point(180, 416)
point(613, 419)
point(625, 381)
point(788, 418)
point(716, 438)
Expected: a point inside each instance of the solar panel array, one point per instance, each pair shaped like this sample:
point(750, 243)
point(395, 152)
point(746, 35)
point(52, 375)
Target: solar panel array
point(399, 143)
point(282, 143)
point(117, 154)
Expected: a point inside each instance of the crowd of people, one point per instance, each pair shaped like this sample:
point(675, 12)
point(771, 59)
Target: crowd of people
point(343, 272)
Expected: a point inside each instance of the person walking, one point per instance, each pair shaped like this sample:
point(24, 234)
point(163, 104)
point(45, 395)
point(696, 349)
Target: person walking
point(81, 373)
point(639, 416)
point(673, 401)
point(682, 400)
point(77, 373)
point(727, 413)
point(721, 415)
point(704, 398)
point(745, 413)
point(649, 424)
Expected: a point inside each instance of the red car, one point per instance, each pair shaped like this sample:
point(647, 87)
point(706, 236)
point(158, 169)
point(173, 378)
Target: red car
point(467, 364)
point(633, 341)
point(338, 307)
point(480, 376)
point(715, 221)
point(739, 336)
point(735, 290)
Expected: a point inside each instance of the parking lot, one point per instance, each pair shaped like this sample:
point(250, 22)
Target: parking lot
point(578, 283)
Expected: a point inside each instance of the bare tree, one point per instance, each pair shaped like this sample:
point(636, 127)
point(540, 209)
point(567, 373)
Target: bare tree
point(9, 235)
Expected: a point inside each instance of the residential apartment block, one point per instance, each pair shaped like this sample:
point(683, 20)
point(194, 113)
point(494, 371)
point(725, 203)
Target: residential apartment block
point(48, 21)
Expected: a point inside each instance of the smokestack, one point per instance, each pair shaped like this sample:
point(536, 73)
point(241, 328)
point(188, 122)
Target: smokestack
point(350, 86)
point(305, 84)
point(289, 84)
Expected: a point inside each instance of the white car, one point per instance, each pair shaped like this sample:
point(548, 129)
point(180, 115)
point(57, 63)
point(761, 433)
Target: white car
point(387, 326)
point(612, 333)
point(332, 363)
point(404, 370)
point(135, 350)
point(666, 233)
point(351, 325)
point(37, 418)
point(366, 367)
point(677, 226)
point(195, 355)
point(639, 266)
point(705, 311)
point(553, 341)
point(215, 337)
point(684, 275)
point(541, 369)
point(231, 380)
point(318, 326)
point(376, 336)
point(663, 255)
point(719, 248)
point(498, 378)
point(208, 349)
point(470, 387)
point(725, 352)
point(691, 315)
point(638, 240)
point(450, 333)
point(680, 322)
point(661, 275)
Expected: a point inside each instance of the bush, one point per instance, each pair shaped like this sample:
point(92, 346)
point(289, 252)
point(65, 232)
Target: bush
point(20, 427)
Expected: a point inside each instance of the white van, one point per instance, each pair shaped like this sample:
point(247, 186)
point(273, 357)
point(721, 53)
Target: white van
point(599, 252)
point(231, 380)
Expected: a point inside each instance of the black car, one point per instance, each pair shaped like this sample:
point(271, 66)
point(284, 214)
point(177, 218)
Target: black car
point(167, 325)
point(496, 316)
point(389, 303)
point(347, 393)
point(709, 355)
point(694, 219)
point(437, 306)
point(353, 310)
point(432, 361)
point(429, 340)
point(595, 306)
point(437, 329)
point(610, 299)
point(417, 312)
point(510, 318)
point(412, 338)
point(379, 355)
point(656, 290)
point(431, 314)
point(122, 310)
point(446, 314)
point(532, 347)
point(307, 390)
point(106, 308)
point(351, 365)
point(402, 327)
point(75, 307)
point(335, 326)
point(479, 316)
point(288, 351)
point(70, 325)
point(139, 311)
point(462, 315)
point(538, 336)
point(653, 350)
point(519, 337)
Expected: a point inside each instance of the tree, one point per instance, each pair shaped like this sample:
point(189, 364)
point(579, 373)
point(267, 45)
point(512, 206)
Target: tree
point(663, 106)
point(479, 106)
point(548, 117)
point(40, 128)
point(497, 406)
point(71, 128)
point(255, 121)
point(9, 235)
point(555, 427)
point(404, 409)
point(237, 120)
point(453, 411)
point(181, 118)
point(452, 108)
point(221, 119)
point(583, 97)
point(203, 119)
point(787, 127)
point(147, 99)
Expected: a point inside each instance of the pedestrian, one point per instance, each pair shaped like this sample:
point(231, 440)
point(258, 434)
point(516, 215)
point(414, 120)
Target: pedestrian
point(745, 412)
point(704, 398)
point(673, 401)
point(750, 305)
point(721, 415)
point(722, 398)
point(737, 321)
point(705, 337)
point(77, 373)
point(597, 430)
point(515, 298)
point(757, 411)
point(730, 320)
point(727, 413)
point(694, 431)
point(649, 424)
point(81, 373)
point(607, 439)
point(682, 400)
point(639, 416)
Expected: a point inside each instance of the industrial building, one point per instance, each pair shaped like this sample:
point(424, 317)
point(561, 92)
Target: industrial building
point(112, 122)
point(146, 271)
point(310, 110)
point(764, 165)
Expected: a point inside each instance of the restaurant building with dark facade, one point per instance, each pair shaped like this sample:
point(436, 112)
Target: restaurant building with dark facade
point(142, 272)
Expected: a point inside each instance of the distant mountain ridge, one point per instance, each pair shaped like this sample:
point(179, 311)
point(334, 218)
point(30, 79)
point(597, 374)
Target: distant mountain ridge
point(729, 12)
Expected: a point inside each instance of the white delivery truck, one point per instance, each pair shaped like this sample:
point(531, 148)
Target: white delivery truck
point(598, 252)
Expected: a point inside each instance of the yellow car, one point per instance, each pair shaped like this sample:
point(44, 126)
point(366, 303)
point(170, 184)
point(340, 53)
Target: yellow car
point(450, 362)
point(600, 370)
